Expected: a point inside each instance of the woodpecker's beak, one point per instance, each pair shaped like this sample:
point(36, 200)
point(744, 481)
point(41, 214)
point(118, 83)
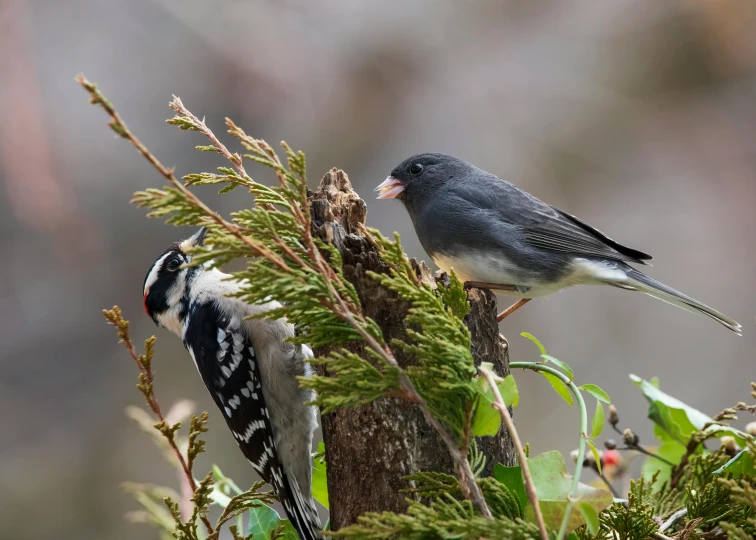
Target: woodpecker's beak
point(390, 188)
point(197, 239)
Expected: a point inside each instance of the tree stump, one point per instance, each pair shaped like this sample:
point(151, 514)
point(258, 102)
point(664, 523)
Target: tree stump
point(372, 448)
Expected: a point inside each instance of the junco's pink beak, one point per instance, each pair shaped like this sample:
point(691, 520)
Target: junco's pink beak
point(390, 188)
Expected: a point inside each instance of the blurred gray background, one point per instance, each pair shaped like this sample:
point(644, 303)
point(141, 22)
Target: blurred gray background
point(638, 116)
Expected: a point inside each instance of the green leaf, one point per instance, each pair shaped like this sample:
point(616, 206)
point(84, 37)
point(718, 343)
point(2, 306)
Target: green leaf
point(509, 392)
point(591, 518)
point(559, 386)
point(512, 478)
point(319, 482)
point(487, 419)
point(534, 340)
point(677, 418)
point(596, 392)
point(669, 449)
point(553, 483)
point(561, 365)
point(262, 521)
point(597, 424)
point(742, 464)
point(595, 452)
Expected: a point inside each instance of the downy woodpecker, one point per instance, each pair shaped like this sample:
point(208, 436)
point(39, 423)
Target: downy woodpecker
point(249, 369)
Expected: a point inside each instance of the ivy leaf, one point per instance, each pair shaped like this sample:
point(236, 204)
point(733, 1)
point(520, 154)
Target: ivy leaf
point(512, 478)
point(553, 483)
point(596, 392)
point(535, 340)
point(595, 452)
point(319, 483)
point(559, 386)
point(597, 424)
point(591, 518)
point(561, 365)
point(262, 521)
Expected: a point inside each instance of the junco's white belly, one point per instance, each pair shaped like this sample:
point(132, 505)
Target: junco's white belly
point(500, 270)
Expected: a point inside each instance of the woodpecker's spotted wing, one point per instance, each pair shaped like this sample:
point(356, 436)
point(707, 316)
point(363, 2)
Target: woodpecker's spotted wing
point(226, 360)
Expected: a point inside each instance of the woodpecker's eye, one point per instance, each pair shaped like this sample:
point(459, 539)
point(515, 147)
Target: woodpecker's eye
point(416, 169)
point(173, 264)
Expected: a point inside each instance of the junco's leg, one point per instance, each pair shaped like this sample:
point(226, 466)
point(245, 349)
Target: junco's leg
point(511, 309)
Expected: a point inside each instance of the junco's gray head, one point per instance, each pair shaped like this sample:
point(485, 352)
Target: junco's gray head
point(420, 174)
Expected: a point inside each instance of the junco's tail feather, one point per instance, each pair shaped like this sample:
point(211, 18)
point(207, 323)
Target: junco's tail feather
point(650, 286)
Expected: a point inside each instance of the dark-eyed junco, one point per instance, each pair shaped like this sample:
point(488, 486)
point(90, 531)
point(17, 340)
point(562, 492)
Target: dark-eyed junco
point(495, 235)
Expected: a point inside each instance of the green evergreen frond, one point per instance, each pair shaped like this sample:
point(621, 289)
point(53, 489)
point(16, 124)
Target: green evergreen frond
point(711, 503)
point(352, 380)
point(433, 484)
point(445, 369)
point(741, 523)
point(445, 518)
point(501, 501)
point(252, 498)
point(633, 523)
point(476, 458)
point(169, 203)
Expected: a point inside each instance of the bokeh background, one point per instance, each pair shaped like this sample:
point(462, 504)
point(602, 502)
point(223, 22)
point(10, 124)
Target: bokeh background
point(639, 116)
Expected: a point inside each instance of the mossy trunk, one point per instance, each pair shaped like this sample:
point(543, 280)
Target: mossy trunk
point(372, 448)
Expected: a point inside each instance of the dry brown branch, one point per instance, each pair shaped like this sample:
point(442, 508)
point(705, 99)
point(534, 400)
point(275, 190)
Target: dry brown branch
point(146, 382)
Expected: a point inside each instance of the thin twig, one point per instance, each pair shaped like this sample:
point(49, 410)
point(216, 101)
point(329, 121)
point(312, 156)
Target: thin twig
point(344, 308)
point(606, 481)
point(674, 517)
point(529, 485)
point(148, 380)
point(639, 448)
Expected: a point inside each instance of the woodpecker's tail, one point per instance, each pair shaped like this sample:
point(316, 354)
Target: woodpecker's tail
point(300, 509)
point(641, 282)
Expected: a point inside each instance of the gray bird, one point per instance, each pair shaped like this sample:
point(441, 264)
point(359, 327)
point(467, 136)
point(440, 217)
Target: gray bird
point(497, 236)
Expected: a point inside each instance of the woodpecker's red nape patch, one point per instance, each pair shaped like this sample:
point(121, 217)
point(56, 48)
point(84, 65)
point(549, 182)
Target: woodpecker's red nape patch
point(147, 311)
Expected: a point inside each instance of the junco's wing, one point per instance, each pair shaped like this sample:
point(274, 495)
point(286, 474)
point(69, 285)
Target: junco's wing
point(541, 225)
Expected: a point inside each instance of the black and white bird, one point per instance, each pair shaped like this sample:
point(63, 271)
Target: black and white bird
point(498, 236)
point(249, 369)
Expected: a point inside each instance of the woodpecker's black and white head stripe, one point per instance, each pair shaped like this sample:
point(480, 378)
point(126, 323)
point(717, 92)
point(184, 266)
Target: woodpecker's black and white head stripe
point(192, 302)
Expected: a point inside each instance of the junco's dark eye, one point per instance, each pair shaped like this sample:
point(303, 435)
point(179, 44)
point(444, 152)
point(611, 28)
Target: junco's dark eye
point(173, 264)
point(416, 169)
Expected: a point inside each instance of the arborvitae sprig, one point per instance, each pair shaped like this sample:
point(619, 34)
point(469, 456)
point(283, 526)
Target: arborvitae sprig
point(196, 446)
point(446, 368)
point(741, 524)
point(252, 498)
point(633, 523)
point(444, 518)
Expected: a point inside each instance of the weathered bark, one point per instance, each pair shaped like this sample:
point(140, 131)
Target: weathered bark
point(372, 448)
